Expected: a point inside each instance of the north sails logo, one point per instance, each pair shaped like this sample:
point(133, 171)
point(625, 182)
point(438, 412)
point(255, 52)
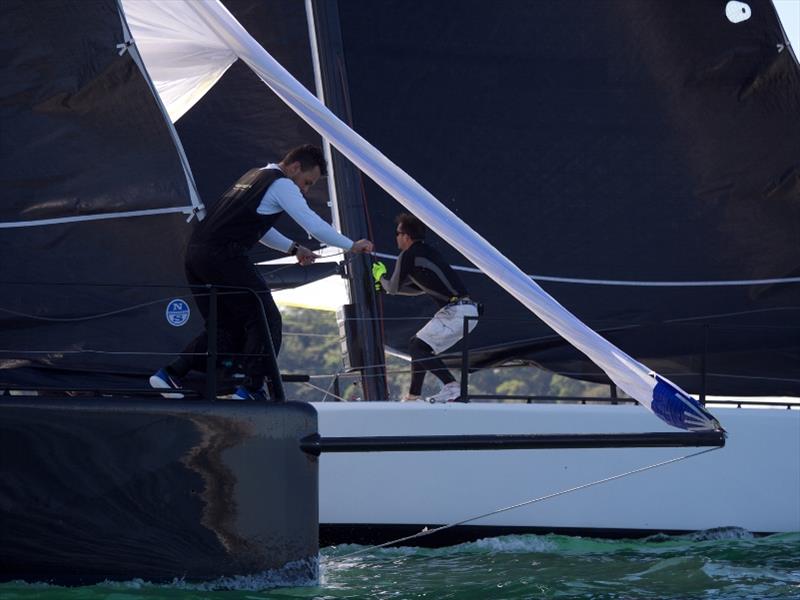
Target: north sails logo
point(177, 313)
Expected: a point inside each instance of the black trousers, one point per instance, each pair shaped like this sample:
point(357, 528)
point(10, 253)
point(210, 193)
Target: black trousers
point(423, 360)
point(243, 345)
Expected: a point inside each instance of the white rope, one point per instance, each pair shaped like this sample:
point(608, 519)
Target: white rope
point(426, 531)
point(630, 282)
point(327, 392)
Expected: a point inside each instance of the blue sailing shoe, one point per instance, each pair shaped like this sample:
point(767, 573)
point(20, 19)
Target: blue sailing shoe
point(242, 393)
point(162, 380)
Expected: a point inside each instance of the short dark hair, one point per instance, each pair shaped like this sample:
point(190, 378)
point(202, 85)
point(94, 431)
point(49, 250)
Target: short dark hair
point(309, 156)
point(411, 225)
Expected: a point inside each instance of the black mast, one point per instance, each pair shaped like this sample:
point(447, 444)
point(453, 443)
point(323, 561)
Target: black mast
point(362, 324)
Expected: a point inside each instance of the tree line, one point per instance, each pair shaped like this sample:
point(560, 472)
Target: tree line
point(312, 346)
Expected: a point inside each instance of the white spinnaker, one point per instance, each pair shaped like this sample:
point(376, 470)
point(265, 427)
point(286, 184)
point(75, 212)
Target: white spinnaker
point(631, 376)
point(183, 56)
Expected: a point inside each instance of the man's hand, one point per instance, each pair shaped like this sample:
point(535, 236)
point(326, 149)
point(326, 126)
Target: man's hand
point(361, 247)
point(305, 256)
point(378, 271)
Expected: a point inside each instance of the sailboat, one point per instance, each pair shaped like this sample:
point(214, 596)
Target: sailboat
point(623, 155)
point(734, 321)
point(395, 492)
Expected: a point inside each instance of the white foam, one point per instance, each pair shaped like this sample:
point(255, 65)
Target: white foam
point(512, 543)
point(721, 533)
point(298, 573)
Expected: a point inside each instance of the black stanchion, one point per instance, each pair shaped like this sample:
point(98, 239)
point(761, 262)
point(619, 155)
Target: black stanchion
point(211, 360)
point(465, 362)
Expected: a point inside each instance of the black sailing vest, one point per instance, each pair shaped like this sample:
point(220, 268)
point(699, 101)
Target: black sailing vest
point(233, 222)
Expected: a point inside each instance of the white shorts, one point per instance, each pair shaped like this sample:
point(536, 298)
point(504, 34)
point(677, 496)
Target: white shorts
point(447, 326)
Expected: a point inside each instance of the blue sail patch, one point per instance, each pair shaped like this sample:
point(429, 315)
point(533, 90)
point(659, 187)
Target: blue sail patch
point(679, 409)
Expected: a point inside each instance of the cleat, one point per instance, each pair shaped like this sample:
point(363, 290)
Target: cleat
point(162, 380)
point(449, 393)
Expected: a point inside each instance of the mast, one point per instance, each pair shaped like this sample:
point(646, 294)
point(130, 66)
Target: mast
point(363, 335)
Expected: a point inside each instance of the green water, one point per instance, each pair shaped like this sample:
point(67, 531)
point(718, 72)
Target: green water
point(714, 564)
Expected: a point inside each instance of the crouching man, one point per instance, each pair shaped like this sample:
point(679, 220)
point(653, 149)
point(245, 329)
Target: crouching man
point(420, 269)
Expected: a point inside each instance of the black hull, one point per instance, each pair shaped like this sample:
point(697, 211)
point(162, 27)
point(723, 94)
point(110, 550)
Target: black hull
point(94, 490)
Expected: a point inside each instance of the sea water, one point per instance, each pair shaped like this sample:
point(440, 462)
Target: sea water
point(728, 563)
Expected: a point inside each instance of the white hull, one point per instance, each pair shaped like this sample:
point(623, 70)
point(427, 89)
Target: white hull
point(752, 483)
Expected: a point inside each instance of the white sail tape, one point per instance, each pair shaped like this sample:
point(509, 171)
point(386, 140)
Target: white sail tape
point(194, 195)
point(120, 215)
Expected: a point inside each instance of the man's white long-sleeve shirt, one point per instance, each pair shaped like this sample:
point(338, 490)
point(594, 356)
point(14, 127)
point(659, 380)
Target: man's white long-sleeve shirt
point(284, 196)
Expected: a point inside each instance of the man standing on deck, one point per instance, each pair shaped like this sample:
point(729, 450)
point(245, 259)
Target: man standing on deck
point(420, 269)
point(217, 255)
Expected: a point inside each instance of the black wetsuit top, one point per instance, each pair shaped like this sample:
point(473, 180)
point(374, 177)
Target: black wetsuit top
point(420, 269)
point(234, 222)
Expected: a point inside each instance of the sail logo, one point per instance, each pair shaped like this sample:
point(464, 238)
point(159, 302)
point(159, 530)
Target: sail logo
point(737, 12)
point(177, 313)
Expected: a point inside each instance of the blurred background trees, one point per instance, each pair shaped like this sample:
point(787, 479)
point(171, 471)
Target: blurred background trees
point(311, 346)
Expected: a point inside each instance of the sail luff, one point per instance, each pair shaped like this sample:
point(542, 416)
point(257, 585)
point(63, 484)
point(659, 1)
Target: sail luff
point(184, 64)
point(665, 399)
point(130, 46)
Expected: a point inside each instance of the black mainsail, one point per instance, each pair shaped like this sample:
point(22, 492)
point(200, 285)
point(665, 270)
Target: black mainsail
point(639, 159)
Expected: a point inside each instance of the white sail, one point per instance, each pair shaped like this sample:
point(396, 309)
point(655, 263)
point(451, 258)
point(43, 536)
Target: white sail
point(664, 398)
point(183, 56)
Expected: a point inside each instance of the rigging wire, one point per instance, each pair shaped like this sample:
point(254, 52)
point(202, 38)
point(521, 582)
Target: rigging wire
point(327, 392)
point(426, 532)
point(631, 282)
point(111, 313)
point(132, 307)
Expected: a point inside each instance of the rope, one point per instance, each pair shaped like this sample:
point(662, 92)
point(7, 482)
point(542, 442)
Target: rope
point(132, 307)
point(630, 282)
point(426, 531)
point(86, 317)
point(359, 375)
point(327, 392)
point(231, 290)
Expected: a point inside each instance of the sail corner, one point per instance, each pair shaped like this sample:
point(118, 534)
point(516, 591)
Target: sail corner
point(679, 409)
